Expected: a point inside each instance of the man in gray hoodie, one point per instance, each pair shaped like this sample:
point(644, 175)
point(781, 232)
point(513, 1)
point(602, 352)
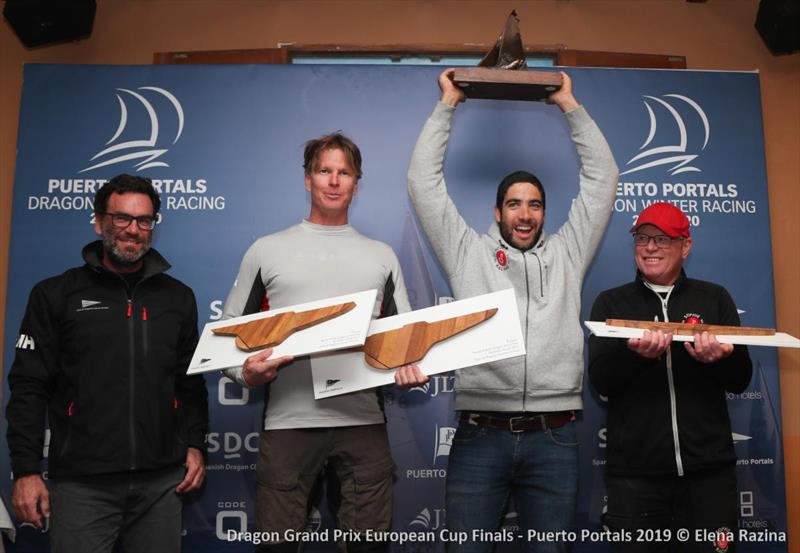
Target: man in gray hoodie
point(516, 435)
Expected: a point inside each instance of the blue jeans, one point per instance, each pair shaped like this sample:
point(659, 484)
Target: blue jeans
point(488, 466)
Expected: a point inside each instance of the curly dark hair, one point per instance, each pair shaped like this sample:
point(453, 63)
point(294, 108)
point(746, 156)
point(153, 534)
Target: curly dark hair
point(122, 184)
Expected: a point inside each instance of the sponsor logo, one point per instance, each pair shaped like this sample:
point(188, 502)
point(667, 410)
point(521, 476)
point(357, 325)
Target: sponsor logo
point(229, 519)
point(740, 437)
point(89, 303)
point(501, 259)
point(419, 474)
point(145, 149)
point(231, 443)
point(754, 395)
point(438, 384)
point(677, 154)
point(25, 342)
point(444, 441)
point(752, 461)
point(330, 382)
point(692, 319)
point(429, 520)
point(240, 396)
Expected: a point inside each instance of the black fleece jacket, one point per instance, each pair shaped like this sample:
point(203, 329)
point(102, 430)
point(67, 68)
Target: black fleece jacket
point(645, 437)
point(108, 366)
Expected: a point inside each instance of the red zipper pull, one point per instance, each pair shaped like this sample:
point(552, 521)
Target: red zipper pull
point(69, 408)
point(174, 403)
point(144, 313)
point(130, 309)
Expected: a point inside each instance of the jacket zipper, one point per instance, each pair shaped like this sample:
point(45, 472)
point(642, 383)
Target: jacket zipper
point(70, 409)
point(673, 402)
point(527, 315)
point(145, 333)
point(132, 382)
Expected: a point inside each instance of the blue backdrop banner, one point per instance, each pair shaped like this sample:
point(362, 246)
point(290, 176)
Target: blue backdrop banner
point(223, 144)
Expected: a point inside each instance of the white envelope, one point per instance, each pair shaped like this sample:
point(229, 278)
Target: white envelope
point(778, 340)
point(350, 329)
point(499, 337)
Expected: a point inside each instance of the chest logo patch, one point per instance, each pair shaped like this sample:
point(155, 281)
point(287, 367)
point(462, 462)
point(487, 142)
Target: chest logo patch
point(692, 319)
point(501, 259)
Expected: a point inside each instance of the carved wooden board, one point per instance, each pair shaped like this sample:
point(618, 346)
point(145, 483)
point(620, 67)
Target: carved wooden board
point(271, 331)
point(685, 329)
point(409, 344)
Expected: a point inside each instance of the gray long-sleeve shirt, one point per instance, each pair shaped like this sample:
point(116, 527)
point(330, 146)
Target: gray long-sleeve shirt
point(547, 279)
point(308, 262)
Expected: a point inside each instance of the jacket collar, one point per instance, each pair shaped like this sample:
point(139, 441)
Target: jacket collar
point(681, 278)
point(153, 262)
point(494, 233)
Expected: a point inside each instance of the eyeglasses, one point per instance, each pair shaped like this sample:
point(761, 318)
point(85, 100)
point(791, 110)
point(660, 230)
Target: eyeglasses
point(661, 240)
point(123, 220)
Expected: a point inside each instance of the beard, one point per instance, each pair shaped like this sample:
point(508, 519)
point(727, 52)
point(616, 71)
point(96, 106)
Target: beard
point(508, 235)
point(125, 255)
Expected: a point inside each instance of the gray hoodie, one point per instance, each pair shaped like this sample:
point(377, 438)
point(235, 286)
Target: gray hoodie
point(547, 278)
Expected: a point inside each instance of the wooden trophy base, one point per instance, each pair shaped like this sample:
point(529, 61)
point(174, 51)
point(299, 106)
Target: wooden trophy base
point(505, 84)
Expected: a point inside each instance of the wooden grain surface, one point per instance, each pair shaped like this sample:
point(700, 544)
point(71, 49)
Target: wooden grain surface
point(271, 331)
point(409, 344)
point(685, 329)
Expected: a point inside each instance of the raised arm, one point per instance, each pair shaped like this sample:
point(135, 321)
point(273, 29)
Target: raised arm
point(591, 209)
point(447, 231)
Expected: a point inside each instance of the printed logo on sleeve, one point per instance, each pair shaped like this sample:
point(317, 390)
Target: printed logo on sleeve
point(26, 342)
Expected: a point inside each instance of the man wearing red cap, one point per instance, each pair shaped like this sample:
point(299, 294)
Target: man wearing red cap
point(671, 464)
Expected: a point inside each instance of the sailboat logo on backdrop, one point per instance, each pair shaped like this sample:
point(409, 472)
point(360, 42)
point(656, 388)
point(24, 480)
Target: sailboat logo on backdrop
point(143, 153)
point(678, 149)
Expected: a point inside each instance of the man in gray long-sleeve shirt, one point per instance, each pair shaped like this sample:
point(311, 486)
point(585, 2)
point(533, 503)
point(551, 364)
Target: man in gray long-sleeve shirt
point(516, 434)
point(322, 256)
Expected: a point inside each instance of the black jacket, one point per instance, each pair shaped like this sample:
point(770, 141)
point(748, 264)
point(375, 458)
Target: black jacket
point(109, 371)
point(641, 427)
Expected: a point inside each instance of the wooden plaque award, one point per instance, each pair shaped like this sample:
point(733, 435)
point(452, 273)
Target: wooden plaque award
point(271, 331)
point(410, 343)
point(686, 329)
point(501, 74)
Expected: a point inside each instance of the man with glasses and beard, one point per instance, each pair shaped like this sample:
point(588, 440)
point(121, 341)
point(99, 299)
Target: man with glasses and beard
point(671, 463)
point(103, 351)
point(516, 436)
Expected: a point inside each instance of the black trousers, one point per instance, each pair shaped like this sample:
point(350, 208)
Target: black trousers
point(692, 513)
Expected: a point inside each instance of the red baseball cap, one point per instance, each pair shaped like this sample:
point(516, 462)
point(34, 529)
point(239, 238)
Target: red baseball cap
point(668, 218)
